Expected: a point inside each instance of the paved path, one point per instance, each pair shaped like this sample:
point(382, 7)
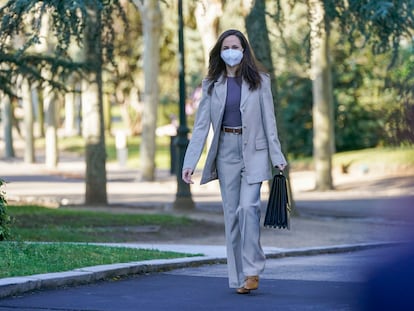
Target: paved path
point(322, 282)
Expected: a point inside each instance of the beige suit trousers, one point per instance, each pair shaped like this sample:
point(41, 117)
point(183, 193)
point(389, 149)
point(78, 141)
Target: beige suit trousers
point(241, 206)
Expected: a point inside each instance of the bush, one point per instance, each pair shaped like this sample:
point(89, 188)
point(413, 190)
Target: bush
point(4, 218)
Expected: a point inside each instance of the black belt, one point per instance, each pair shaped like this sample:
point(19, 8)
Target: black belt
point(234, 130)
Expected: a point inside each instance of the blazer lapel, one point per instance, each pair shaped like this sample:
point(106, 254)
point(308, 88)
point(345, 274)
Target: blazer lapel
point(220, 89)
point(245, 92)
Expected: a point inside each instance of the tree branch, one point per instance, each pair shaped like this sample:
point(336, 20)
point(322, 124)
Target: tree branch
point(23, 19)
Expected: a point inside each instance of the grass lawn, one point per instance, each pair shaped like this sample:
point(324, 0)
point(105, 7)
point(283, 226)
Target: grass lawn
point(36, 223)
point(394, 158)
point(403, 156)
point(61, 226)
point(398, 156)
point(162, 157)
point(23, 258)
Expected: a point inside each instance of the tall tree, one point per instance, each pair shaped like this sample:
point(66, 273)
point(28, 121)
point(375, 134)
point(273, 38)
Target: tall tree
point(48, 108)
point(89, 22)
point(152, 22)
point(93, 120)
point(323, 118)
point(71, 108)
point(26, 99)
point(51, 112)
point(380, 24)
point(7, 118)
point(208, 14)
point(256, 27)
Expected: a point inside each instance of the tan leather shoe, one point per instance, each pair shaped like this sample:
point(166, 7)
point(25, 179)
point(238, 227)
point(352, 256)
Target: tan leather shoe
point(252, 282)
point(243, 290)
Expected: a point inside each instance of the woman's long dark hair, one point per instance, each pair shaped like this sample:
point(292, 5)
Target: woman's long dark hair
point(248, 68)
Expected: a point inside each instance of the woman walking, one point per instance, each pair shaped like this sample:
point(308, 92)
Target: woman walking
point(237, 101)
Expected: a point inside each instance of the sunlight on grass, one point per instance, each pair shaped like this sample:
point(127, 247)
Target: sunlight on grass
point(55, 229)
point(20, 259)
point(373, 156)
point(403, 156)
point(162, 156)
point(36, 223)
point(395, 156)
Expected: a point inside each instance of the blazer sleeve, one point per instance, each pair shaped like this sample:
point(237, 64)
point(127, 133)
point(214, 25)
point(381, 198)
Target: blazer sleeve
point(200, 130)
point(269, 123)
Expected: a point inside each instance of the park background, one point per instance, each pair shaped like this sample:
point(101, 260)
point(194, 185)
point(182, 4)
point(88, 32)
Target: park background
point(342, 75)
point(95, 80)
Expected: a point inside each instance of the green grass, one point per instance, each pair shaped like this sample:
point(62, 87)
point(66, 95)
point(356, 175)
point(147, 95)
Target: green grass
point(77, 145)
point(60, 227)
point(381, 156)
point(377, 156)
point(20, 259)
point(398, 156)
point(162, 156)
point(35, 223)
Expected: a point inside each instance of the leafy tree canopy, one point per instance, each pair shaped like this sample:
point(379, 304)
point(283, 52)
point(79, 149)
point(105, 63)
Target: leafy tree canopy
point(20, 28)
point(379, 24)
point(383, 24)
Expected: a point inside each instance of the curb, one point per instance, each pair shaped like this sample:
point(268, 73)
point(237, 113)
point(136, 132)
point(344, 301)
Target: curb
point(335, 249)
point(19, 285)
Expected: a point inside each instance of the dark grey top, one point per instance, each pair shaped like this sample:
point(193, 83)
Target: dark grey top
point(232, 115)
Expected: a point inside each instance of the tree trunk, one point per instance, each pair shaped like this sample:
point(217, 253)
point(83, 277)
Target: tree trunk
point(78, 107)
point(40, 113)
point(208, 15)
point(259, 40)
point(323, 137)
point(70, 111)
point(44, 46)
point(51, 145)
point(107, 113)
point(26, 97)
point(7, 119)
point(207, 18)
point(93, 121)
point(152, 22)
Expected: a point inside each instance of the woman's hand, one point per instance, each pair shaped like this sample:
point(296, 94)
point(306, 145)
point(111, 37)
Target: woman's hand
point(186, 175)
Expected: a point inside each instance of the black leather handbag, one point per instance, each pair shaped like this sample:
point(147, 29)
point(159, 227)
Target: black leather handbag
point(278, 209)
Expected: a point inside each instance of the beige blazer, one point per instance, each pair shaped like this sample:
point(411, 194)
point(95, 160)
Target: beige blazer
point(261, 146)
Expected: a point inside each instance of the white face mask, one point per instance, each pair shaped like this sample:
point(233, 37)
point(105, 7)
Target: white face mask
point(231, 57)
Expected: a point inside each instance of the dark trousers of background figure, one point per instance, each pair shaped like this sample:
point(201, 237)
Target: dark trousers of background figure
point(241, 206)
